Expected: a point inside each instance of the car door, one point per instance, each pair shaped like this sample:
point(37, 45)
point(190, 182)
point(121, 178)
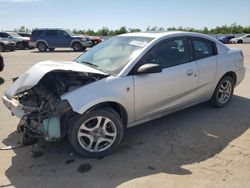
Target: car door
point(175, 86)
point(51, 38)
point(205, 54)
point(63, 39)
point(247, 39)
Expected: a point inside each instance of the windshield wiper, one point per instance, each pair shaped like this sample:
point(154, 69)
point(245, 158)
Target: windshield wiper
point(89, 63)
point(92, 65)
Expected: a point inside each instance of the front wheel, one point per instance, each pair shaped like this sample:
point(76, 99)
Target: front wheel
point(223, 92)
point(240, 42)
point(97, 133)
point(20, 46)
point(77, 47)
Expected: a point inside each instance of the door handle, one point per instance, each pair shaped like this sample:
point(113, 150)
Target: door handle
point(190, 72)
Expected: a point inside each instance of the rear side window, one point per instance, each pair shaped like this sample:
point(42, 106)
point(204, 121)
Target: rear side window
point(51, 33)
point(37, 32)
point(203, 48)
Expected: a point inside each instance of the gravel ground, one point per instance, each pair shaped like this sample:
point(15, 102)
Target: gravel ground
point(197, 147)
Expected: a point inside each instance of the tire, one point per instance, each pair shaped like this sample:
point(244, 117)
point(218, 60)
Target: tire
point(42, 47)
point(51, 49)
point(240, 42)
point(77, 46)
point(97, 133)
point(20, 46)
point(2, 48)
point(223, 92)
point(1, 64)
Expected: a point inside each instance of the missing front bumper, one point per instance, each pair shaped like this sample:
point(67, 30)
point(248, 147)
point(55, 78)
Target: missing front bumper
point(15, 107)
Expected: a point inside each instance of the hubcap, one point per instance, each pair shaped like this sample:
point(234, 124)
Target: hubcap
point(225, 91)
point(97, 134)
point(77, 46)
point(42, 46)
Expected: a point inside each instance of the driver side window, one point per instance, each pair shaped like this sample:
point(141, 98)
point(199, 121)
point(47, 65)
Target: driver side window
point(169, 53)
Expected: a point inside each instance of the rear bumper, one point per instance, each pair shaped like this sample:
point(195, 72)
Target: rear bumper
point(32, 44)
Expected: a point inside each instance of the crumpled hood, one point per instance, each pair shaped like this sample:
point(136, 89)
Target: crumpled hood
point(34, 74)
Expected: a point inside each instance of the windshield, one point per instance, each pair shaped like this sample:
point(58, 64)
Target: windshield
point(14, 34)
point(113, 55)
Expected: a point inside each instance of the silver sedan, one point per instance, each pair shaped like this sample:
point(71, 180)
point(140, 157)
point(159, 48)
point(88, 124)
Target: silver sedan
point(124, 81)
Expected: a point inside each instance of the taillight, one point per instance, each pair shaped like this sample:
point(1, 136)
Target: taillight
point(30, 39)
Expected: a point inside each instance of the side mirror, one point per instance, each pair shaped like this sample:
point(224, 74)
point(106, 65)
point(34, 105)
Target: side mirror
point(149, 68)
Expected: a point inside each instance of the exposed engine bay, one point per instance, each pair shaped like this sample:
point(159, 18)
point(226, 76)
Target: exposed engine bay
point(41, 110)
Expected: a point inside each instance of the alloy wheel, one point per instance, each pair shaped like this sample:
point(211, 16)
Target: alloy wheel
point(225, 91)
point(97, 134)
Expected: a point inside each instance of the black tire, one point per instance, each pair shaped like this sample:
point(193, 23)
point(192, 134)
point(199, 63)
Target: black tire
point(1, 63)
point(20, 46)
point(77, 46)
point(2, 48)
point(51, 49)
point(219, 92)
point(240, 42)
point(42, 47)
point(87, 118)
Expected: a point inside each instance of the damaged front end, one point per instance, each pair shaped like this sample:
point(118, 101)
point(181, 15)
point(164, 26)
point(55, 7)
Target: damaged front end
point(42, 112)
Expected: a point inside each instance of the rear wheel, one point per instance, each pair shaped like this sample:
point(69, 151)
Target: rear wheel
point(97, 133)
point(20, 46)
point(223, 92)
point(240, 41)
point(42, 47)
point(2, 48)
point(77, 47)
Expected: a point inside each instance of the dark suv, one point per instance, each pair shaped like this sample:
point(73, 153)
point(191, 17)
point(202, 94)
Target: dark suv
point(45, 39)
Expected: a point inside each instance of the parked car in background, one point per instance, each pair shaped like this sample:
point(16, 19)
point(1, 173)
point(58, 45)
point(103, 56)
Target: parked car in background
point(45, 39)
point(124, 81)
point(226, 39)
point(242, 39)
point(23, 34)
point(21, 42)
point(6, 45)
point(1, 62)
point(95, 40)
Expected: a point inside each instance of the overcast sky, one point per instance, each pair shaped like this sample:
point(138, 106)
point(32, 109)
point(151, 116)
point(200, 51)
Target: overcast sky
point(94, 14)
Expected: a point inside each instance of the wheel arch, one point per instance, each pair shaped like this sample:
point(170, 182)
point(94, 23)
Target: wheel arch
point(41, 41)
point(232, 75)
point(117, 107)
point(75, 40)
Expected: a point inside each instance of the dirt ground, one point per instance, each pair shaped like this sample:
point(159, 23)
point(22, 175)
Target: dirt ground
point(197, 147)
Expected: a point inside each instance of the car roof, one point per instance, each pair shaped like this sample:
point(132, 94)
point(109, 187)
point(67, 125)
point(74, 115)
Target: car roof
point(158, 35)
point(49, 29)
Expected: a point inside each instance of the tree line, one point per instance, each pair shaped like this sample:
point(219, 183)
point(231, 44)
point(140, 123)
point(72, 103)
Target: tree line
point(105, 31)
